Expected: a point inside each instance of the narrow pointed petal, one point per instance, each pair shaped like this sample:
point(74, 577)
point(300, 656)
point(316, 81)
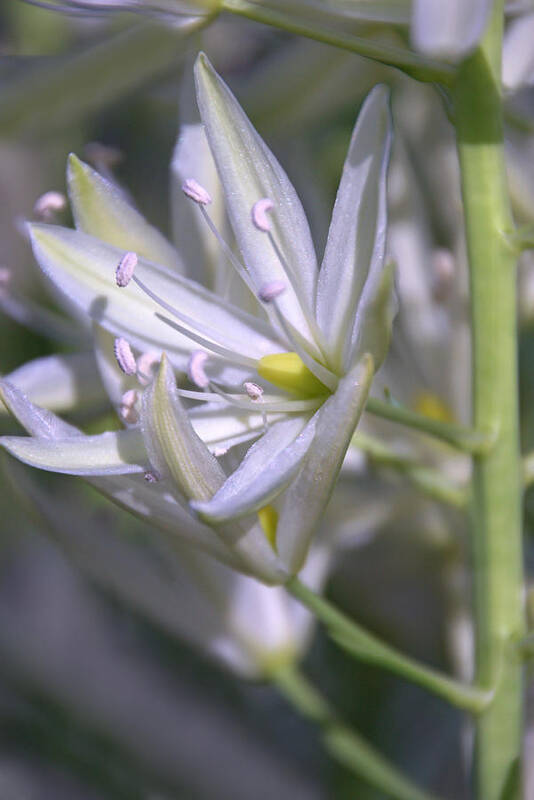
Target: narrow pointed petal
point(176, 450)
point(61, 382)
point(263, 474)
point(374, 319)
point(82, 269)
point(111, 453)
point(100, 209)
point(152, 502)
point(173, 446)
point(354, 255)
point(448, 30)
point(307, 496)
point(37, 421)
point(250, 172)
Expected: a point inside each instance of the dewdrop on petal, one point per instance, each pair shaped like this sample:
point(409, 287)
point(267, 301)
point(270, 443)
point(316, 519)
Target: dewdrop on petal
point(259, 214)
point(125, 269)
point(49, 204)
point(195, 369)
point(192, 189)
point(124, 356)
point(270, 291)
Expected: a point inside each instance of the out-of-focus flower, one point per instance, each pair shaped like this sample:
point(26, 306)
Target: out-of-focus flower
point(305, 359)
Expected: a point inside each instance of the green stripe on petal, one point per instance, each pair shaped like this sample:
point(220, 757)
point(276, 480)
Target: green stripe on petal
point(101, 209)
point(173, 446)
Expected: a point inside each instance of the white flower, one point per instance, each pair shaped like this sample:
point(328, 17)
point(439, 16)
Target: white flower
point(312, 345)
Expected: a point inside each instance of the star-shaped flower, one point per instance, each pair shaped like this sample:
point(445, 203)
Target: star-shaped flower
point(293, 373)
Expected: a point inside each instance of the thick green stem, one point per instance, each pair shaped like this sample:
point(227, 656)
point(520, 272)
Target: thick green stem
point(344, 745)
point(497, 479)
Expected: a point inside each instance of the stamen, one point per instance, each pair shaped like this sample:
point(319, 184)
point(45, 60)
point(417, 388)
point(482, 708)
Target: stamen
point(125, 269)
point(195, 369)
point(145, 367)
point(5, 278)
point(127, 410)
point(227, 250)
point(254, 391)
point(49, 204)
point(270, 291)
point(103, 156)
point(152, 476)
point(125, 357)
point(259, 214)
point(192, 324)
point(192, 189)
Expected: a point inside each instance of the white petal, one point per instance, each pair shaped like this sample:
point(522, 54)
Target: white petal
point(175, 450)
point(448, 29)
point(110, 453)
point(221, 426)
point(61, 382)
point(202, 254)
point(518, 53)
point(263, 474)
point(173, 446)
point(100, 209)
point(152, 502)
point(249, 172)
point(82, 268)
point(37, 421)
point(354, 255)
point(307, 496)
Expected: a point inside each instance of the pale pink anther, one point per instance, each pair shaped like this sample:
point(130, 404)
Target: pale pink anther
point(145, 367)
point(270, 291)
point(103, 155)
point(195, 369)
point(259, 214)
point(152, 476)
point(254, 391)
point(192, 189)
point(49, 204)
point(5, 277)
point(125, 357)
point(127, 409)
point(125, 269)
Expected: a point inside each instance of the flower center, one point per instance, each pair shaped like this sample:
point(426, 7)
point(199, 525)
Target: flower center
point(430, 405)
point(289, 372)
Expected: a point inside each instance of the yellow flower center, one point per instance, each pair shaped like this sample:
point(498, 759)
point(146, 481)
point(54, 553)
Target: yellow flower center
point(432, 406)
point(268, 516)
point(289, 372)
